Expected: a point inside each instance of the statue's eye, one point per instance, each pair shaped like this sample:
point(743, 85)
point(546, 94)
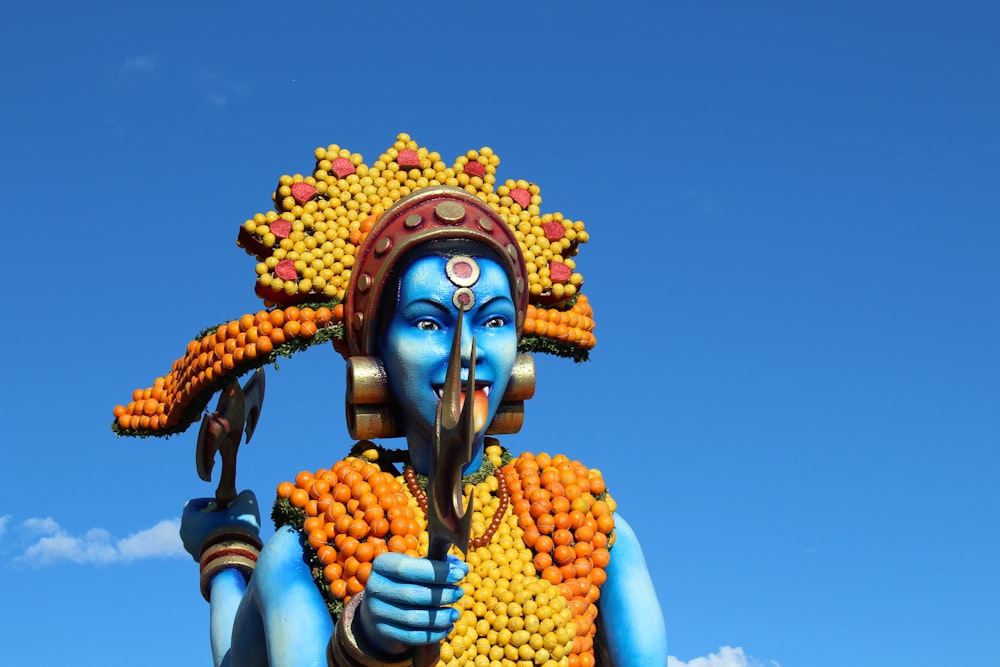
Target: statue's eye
point(496, 322)
point(428, 325)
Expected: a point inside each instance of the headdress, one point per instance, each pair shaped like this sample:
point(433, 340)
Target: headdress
point(329, 241)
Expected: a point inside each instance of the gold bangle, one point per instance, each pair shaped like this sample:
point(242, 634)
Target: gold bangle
point(225, 555)
point(347, 649)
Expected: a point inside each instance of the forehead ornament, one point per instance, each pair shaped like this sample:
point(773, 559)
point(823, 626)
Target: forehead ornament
point(462, 270)
point(464, 299)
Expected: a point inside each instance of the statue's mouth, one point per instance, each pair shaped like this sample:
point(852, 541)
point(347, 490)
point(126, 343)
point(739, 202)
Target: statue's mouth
point(480, 405)
point(485, 387)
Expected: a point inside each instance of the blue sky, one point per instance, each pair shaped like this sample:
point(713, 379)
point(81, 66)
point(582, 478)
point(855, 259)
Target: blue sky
point(793, 263)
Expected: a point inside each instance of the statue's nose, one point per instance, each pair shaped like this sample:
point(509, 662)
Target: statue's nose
point(468, 343)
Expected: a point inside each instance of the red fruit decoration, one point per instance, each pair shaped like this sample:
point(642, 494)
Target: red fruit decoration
point(286, 270)
point(554, 230)
point(303, 192)
point(408, 159)
point(475, 168)
point(559, 272)
point(342, 167)
point(521, 196)
point(281, 227)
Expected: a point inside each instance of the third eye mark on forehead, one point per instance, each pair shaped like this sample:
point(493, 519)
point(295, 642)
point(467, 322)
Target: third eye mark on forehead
point(462, 271)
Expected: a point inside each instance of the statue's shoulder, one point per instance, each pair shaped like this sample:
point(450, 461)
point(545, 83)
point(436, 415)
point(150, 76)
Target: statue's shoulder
point(282, 548)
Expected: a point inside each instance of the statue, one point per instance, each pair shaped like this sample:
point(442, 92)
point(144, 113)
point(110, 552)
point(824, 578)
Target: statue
point(453, 550)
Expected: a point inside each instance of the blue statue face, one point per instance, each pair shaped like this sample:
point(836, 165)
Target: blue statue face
point(417, 338)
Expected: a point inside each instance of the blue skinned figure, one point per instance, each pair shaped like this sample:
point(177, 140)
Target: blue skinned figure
point(551, 574)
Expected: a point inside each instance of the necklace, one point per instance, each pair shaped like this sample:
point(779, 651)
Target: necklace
point(410, 475)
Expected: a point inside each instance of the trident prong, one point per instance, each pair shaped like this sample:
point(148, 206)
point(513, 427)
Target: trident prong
point(449, 515)
point(449, 519)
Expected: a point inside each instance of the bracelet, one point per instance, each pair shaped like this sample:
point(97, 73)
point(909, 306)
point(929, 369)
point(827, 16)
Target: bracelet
point(349, 649)
point(234, 533)
point(228, 548)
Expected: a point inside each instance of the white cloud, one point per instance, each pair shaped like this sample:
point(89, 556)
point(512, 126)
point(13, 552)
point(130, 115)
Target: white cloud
point(726, 657)
point(217, 91)
point(4, 520)
point(96, 546)
point(144, 64)
point(163, 539)
point(46, 526)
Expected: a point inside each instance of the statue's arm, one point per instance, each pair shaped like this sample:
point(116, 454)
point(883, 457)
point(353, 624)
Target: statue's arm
point(284, 603)
point(279, 618)
point(202, 527)
point(227, 589)
point(631, 626)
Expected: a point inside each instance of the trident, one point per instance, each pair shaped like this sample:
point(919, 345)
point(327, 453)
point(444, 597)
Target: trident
point(449, 516)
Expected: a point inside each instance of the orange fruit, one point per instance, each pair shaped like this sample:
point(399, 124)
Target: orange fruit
point(299, 498)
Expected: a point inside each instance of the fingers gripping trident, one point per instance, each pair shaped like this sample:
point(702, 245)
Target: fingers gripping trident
point(449, 515)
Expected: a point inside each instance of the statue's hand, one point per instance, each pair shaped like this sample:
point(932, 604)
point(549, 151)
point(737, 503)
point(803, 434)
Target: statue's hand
point(406, 601)
point(201, 518)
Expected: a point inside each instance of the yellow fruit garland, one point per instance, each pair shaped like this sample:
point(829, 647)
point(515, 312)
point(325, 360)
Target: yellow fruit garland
point(306, 246)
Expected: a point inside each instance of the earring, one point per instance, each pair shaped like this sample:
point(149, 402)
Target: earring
point(521, 386)
point(508, 419)
point(371, 410)
point(510, 415)
point(370, 422)
point(367, 382)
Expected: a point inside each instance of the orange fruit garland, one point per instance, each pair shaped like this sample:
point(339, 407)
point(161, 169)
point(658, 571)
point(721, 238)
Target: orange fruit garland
point(221, 355)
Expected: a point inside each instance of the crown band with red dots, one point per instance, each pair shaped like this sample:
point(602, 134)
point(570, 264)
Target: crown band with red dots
point(434, 213)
